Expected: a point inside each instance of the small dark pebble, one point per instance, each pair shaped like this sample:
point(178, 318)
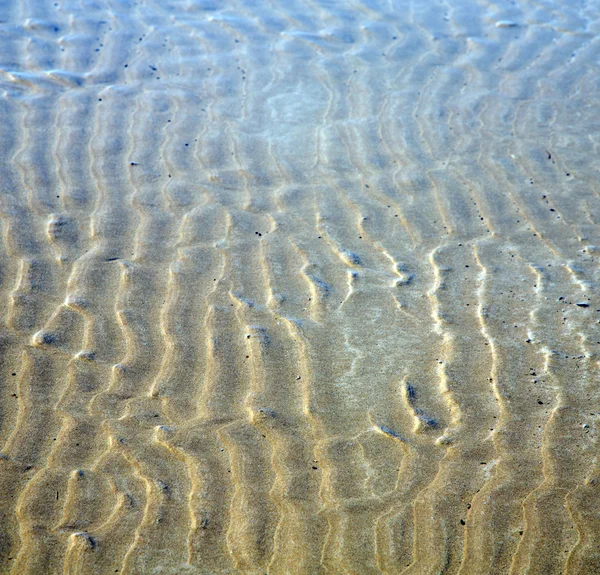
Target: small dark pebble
point(164, 487)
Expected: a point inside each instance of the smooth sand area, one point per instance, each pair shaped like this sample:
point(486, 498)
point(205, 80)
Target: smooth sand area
point(300, 287)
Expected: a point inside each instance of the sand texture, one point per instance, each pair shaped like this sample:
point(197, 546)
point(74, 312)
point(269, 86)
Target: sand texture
point(302, 287)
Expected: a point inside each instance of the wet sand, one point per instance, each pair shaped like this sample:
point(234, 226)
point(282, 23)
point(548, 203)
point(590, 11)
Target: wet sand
point(299, 287)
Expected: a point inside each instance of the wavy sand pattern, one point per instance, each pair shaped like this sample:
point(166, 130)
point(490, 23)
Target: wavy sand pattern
point(302, 287)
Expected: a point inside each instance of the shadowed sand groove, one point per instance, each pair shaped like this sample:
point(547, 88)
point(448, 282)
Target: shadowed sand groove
point(299, 288)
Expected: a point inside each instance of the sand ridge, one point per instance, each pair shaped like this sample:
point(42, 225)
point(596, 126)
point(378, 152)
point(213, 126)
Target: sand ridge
point(301, 287)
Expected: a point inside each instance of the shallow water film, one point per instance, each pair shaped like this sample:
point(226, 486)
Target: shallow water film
point(302, 287)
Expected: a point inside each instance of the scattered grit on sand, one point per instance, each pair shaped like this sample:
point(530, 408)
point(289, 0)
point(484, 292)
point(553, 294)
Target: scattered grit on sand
point(301, 287)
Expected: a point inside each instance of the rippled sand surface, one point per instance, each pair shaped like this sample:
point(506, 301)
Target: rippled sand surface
point(301, 287)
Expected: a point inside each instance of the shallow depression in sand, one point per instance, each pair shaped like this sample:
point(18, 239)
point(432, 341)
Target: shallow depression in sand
point(301, 287)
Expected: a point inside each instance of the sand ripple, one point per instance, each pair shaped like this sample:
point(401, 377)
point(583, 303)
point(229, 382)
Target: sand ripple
point(299, 287)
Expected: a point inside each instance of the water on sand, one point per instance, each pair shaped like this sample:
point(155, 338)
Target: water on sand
point(299, 287)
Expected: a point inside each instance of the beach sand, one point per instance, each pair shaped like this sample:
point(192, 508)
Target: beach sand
point(299, 287)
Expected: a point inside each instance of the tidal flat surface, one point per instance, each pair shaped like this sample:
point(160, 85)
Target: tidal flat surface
point(302, 287)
